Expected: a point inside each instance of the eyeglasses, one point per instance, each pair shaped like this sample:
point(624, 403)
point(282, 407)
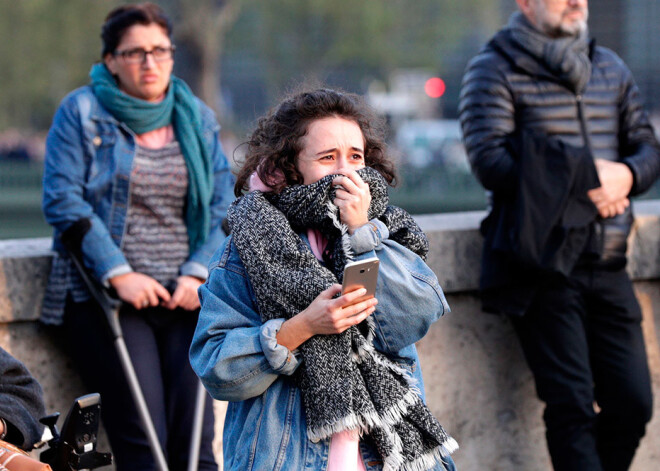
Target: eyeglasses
point(139, 55)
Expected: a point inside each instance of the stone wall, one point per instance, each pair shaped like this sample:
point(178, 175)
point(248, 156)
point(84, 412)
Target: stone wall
point(476, 379)
point(477, 382)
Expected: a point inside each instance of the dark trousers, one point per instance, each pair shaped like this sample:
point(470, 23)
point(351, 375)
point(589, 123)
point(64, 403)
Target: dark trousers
point(157, 341)
point(583, 341)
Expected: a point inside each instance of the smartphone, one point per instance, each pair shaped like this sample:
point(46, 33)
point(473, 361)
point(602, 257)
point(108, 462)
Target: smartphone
point(361, 274)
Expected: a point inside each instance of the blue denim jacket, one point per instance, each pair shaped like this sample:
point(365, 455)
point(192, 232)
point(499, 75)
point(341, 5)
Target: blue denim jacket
point(238, 358)
point(87, 170)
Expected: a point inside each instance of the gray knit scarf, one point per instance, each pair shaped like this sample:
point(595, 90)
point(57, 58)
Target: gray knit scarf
point(346, 383)
point(567, 57)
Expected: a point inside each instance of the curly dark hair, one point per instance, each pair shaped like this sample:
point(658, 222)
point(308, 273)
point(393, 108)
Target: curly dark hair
point(277, 140)
point(125, 16)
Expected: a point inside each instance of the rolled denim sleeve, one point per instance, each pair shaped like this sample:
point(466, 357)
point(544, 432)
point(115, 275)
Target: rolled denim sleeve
point(118, 270)
point(234, 354)
point(368, 237)
point(281, 359)
point(194, 269)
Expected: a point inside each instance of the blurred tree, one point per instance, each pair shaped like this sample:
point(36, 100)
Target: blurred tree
point(200, 27)
point(46, 50)
point(349, 43)
point(48, 46)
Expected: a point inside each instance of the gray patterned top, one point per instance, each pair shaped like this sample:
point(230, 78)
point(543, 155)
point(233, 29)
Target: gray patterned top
point(156, 238)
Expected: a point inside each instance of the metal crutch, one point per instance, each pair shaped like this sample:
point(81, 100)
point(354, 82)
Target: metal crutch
point(72, 241)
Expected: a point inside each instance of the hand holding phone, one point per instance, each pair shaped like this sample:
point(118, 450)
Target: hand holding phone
point(361, 274)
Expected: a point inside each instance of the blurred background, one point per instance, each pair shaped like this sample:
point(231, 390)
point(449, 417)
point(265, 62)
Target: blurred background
point(241, 56)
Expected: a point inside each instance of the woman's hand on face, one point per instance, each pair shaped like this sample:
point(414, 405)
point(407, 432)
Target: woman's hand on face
point(139, 290)
point(326, 315)
point(353, 200)
point(185, 295)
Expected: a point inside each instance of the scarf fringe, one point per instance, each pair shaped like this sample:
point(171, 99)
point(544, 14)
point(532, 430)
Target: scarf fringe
point(366, 347)
point(367, 350)
point(365, 422)
point(351, 422)
point(431, 458)
point(394, 460)
point(449, 446)
point(333, 212)
point(394, 414)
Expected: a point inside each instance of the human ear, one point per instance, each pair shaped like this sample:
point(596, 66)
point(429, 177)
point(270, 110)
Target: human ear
point(527, 8)
point(524, 5)
point(111, 63)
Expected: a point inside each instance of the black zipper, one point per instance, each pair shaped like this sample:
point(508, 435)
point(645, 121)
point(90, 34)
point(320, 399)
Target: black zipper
point(583, 124)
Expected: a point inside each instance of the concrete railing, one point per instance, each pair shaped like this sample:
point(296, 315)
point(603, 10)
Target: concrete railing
point(476, 380)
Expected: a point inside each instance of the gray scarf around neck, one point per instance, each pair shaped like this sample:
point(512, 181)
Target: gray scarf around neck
point(346, 383)
point(567, 57)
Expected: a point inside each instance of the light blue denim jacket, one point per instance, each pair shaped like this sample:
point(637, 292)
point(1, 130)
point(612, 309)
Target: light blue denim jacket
point(239, 360)
point(87, 170)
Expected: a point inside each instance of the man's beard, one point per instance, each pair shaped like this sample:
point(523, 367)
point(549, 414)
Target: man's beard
point(562, 29)
point(574, 29)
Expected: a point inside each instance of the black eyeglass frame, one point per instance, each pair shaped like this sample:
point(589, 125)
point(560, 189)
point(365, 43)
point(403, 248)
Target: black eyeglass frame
point(144, 53)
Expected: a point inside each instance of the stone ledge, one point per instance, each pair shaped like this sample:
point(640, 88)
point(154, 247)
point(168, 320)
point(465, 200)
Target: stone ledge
point(24, 268)
point(455, 248)
point(455, 257)
point(456, 243)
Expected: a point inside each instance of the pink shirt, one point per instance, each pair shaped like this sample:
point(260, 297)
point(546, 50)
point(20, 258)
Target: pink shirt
point(344, 446)
point(345, 452)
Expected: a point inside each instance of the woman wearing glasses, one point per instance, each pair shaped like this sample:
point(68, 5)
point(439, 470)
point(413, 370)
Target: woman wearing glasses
point(135, 173)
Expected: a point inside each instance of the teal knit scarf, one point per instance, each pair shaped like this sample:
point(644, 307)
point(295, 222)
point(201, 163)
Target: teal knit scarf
point(179, 108)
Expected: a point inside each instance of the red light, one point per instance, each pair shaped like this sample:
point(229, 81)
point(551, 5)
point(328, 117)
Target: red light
point(435, 87)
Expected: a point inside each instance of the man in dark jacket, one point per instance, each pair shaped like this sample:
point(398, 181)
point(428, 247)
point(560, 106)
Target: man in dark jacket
point(555, 130)
point(21, 403)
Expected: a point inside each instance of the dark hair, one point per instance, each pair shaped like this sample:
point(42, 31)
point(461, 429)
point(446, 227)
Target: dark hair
point(276, 142)
point(125, 16)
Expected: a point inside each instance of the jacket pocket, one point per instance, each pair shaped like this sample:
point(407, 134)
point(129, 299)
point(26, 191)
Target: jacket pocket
point(101, 145)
